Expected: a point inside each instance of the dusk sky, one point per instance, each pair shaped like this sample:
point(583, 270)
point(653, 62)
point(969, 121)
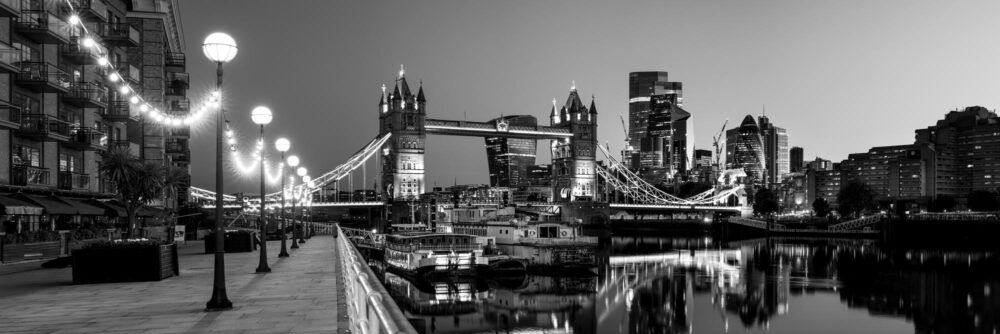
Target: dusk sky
point(841, 76)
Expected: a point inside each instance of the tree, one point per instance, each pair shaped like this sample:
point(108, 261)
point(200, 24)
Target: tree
point(855, 198)
point(137, 183)
point(981, 200)
point(943, 203)
point(821, 207)
point(765, 202)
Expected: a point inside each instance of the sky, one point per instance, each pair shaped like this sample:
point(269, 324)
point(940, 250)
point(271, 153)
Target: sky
point(840, 76)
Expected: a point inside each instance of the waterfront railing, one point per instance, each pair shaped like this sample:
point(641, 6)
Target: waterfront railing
point(370, 308)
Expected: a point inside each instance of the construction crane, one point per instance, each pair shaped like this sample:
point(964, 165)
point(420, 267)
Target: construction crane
point(624, 128)
point(715, 143)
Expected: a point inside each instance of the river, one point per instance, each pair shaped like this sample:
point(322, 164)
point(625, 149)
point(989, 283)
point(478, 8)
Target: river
point(695, 284)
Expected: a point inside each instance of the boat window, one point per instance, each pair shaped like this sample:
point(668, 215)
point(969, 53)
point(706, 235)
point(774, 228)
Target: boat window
point(548, 232)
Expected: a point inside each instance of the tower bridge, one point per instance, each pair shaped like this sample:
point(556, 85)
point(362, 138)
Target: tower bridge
point(397, 156)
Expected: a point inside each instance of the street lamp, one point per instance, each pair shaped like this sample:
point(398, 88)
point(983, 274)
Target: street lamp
point(219, 48)
point(262, 116)
point(302, 171)
point(293, 161)
point(282, 144)
point(307, 184)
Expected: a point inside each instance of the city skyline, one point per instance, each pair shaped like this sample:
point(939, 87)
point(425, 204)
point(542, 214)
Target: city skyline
point(813, 68)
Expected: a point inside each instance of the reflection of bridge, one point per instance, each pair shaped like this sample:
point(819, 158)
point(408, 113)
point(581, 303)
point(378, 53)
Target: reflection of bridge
point(396, 156)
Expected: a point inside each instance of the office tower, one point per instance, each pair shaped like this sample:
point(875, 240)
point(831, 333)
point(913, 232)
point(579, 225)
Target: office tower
point(510, 158)
point(702, 158)
point(659, 127)
point(745, 150)
point(965, 147)
point(795, 159)
point(893, 172)
point(775, 150)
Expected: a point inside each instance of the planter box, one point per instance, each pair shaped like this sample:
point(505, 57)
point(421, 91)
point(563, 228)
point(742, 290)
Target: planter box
point(31, 251)
point(235, 242)
point(106, 265)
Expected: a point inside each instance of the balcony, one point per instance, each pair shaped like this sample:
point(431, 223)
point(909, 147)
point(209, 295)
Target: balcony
point(174, 59)
point(105, 186)
point(10, 57)
point(22, 175)
point(10, 117)
point(180, 132)
point(131, 73)
point(120, 34)
point(87, 139)
point(43, 77)
point(177, 83)
point(124, 145)
point(176, 147)
point(183, 105)
point(91, 8)
point(86, 95)
point(73, 181)
point(42, 27)
point(118, 111)
point(10, 8)
point(76, 53)
point(43, 127)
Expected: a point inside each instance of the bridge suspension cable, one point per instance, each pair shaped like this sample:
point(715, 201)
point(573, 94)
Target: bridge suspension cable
point(634, 188)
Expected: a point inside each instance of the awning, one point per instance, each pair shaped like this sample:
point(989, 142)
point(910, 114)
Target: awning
point(84, 209)
point(111, 209)
point(13, 206)
point(53, 206)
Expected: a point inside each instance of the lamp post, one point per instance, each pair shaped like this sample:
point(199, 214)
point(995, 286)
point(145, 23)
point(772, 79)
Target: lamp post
point(302, 171)
point(282, 144)
point(293, 161)
point(307, 198)
point(262, 116)
point(219, 48)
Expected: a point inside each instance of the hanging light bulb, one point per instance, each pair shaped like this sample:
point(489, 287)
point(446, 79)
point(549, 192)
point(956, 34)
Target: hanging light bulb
point(74, 19)
point(87, 42)
point(113, 77)
point(103, 61)
point(144, 108)
point(134, 99)
point(123, 89)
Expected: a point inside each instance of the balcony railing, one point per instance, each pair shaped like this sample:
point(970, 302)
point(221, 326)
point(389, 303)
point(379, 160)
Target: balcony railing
point(42, 125)
point(22, 175)
point(118, 111)
point(42, 26)
point(174, 59)
point(10, 8)
point(95, 8)
point(73, 181)
point(119, 33)
point(133, 73)
point(43, 76)
point(180, 132)
point(9, 58)
point(86, 94)
point(77, 53)
point(180, 105)
point(178, 80)
point(87, 139)
point(174, 147)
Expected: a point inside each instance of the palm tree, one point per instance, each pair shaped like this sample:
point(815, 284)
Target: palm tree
point(137, 183)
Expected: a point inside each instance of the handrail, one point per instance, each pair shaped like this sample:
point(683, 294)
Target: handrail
point(370, 308)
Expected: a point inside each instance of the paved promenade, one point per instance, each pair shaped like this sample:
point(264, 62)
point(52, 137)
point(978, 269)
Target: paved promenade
point(302, 294)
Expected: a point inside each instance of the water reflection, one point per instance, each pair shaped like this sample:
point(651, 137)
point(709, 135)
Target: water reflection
point(700, 285)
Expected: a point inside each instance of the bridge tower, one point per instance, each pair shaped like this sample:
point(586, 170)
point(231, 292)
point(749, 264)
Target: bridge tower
point(574, 176)
point(402, 114)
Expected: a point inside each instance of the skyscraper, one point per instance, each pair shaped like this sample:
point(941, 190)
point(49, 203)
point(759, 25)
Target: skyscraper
point(745, 150)
point(509, 158)
point(658, 126)
point(775, 141)
point(796, 159)
point(702, 158)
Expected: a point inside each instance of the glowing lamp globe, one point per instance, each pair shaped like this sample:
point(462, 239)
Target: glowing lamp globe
point(302, 171)
point(219, 47)
point(306, 179)
point(261, 115)
point(282, 144)
point(293, 161)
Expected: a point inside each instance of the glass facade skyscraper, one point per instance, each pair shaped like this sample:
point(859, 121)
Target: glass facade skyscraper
point(745, 150)
point(658, 126)
point(510, 158)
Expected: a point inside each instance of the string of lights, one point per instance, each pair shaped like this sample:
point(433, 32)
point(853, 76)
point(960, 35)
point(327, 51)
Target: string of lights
point(91, 42)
